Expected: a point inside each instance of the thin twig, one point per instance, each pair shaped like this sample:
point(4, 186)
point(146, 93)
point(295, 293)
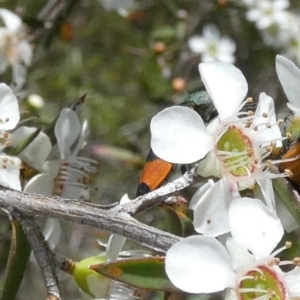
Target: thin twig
point(116, 219)
point(87, 214)
point(157, 196)
point(44, 256)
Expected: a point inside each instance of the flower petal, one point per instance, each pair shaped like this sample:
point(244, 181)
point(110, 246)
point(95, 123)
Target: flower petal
point(52, 232)
point(254, 226)
point(67, 130)
point(25, 51)
point(294, 108)
point(199, 264)
point(51, 167)
point(267, 192)
point(125, 199)
point(293, 282)
point(82, 138)
point(265, 134)
point(231, 294)
point(37, 151)
point(9, 108)
point(114, 246)
point(10, 172)
point(289, 76)
point(211, 213)
point(178, 135)
point(11, 21)
point(227, 45)
point(199, 194)
point(19, 73)
point(211, 32)
point(116, 241)
point(41, 184)
point(72, 191)
point(226, 86)
point(240, 257)
point(197, 43)
point(97, 286)
point(210, 166)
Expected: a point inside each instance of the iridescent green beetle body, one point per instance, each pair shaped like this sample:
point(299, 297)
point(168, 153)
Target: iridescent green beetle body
point(157, 170)
point(202, 104)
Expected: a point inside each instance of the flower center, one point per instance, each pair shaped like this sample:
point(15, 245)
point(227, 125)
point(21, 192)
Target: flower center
point(241, 145)
point(262, 283)
point(236, 152)
point(213, 48)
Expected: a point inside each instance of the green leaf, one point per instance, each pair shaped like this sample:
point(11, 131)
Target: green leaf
point(187, 224)
point(288, 195)
point(163, 217)
point(165, 33)
point(185, 216)
point(19, 253)
point(294, 129)
point(145, 273)
point(154, 84)
point(24, 143)
point(168, 220)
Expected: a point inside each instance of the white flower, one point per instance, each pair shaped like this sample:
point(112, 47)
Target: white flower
point(179, 134)
point(9, 118)
point(235, 144)
point(67, 176)
point(281, 35)
point(15, 50)
point(266, 13)
point(208, 268)
point(212, 46)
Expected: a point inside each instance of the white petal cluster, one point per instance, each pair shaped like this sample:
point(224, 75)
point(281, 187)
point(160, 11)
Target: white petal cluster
point(212, 46)
point(266, 13)
point(15, 50)
point(68, 175)
point(278, 26)
point(34, 154)
point(9, 118)
point(180, 136)
point(248, 266)
point(210, 267)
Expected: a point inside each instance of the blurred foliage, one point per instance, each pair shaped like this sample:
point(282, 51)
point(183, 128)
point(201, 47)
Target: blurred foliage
point(127, 79)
